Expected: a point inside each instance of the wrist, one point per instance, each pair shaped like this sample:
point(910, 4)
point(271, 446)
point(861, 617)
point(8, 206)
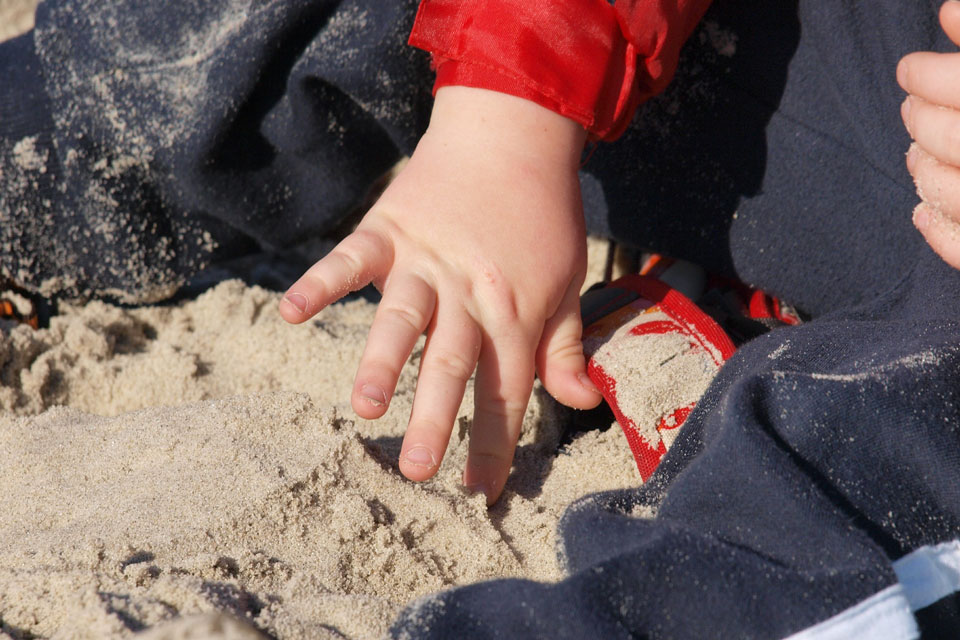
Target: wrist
point(506, 125)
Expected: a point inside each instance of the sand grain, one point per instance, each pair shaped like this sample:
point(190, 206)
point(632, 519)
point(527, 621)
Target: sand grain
point(177, 468)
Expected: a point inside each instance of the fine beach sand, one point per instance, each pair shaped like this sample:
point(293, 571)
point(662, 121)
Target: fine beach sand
point(201, 459)
point(16, 17)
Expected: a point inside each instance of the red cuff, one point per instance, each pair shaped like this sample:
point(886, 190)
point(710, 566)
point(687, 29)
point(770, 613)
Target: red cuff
point(658, 29)
point(570, 57)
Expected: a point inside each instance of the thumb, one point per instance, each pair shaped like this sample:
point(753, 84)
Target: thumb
point(560, 362)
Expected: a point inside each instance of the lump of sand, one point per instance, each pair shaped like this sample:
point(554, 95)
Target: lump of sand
point(206, 473)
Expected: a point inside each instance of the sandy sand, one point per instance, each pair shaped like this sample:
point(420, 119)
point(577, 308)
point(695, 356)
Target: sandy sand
point(16, 17)
point(202, 459)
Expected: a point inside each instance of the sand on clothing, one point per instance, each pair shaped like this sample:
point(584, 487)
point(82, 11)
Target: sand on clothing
point(195, 470)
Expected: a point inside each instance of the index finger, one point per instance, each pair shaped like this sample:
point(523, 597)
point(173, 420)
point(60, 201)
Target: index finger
point(353, 264)
point(935, 77)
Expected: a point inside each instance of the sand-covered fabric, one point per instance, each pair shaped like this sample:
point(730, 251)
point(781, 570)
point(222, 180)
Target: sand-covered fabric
point(201, 459)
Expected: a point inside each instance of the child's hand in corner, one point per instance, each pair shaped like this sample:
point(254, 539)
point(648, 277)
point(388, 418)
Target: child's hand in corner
point(480, 242)
point(931, 114)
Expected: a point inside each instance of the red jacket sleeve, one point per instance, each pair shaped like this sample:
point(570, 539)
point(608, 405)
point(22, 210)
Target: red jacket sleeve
point(585, 59)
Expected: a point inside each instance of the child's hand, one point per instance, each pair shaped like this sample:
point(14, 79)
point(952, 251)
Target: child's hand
point(480, 241)
point(931, 114)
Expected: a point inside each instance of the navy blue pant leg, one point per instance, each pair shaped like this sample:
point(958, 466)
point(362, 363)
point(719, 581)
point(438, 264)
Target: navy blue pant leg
point(140, 141)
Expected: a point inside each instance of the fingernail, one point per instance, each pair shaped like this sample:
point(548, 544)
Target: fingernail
point(420, 456)
point(373, 394)
point(912, 157)
point(587, 383)
point(905, 114)
point(298, 300)
point(921, 216)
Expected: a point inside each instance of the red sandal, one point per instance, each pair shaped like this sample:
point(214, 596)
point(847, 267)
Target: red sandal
point(653, 352)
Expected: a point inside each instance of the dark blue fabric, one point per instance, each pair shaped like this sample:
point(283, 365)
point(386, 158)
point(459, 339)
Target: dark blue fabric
point(182, 132)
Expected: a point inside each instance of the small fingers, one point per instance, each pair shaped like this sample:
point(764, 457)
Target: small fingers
point(940, 232)
point(560, 362)
point(448, 361)
point(355, 262)
point(936, 129)
point(938, 185)
point(402, 315)
point(502, 389)
point(934, 77)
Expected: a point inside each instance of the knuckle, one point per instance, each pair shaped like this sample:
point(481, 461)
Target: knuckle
point(408, 315)
point(351, 257)
point(367, 238)
point(430, 424)
point(500, 409)
point(498, 296)
point(489, 458)
point(569, 349)
point(452, 364)
point(359, 244)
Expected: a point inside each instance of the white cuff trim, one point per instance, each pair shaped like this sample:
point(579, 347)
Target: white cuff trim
point(885, 615)
point(929, 574)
